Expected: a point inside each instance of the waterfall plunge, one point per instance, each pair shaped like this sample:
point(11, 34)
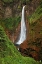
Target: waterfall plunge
point(23, 29)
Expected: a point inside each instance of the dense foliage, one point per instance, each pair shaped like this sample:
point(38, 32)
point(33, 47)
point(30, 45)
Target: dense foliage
point(10, 23)
point(9, 54)
point(36, 15)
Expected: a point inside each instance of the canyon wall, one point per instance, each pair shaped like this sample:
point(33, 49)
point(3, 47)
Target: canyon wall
point(33, 44)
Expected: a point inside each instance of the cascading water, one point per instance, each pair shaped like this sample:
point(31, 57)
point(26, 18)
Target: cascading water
point(23, 29)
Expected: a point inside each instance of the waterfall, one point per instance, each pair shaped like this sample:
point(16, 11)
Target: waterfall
point(23, 29)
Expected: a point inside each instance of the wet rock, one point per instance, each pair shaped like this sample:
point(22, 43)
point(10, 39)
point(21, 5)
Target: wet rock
point(32, 49)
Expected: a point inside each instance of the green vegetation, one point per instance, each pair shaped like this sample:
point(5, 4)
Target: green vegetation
point(10, 23)
point(36, 15)
point(9, 54)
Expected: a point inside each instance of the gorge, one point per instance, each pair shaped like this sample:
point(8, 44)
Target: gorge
point(25, 32)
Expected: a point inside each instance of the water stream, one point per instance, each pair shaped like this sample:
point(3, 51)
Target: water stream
point(23, 29)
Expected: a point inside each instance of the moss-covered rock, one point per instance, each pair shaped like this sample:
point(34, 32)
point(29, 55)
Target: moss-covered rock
point(36, 15)
point(9, 54)
point(10, 23)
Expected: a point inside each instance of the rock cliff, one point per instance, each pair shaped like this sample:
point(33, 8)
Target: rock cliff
point(10, 9)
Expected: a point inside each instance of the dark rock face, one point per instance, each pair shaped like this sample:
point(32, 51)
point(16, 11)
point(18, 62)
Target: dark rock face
point(8, 12)
point(10, 9)
point(33, 45)
point(31, 49)
point(1, 9)
point(13, 35)
point(15, 7)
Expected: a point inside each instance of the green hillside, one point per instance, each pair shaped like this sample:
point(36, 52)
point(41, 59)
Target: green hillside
point(9, 54)
point(36, 15)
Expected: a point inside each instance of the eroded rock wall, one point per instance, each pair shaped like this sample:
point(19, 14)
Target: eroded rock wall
point(33, 44)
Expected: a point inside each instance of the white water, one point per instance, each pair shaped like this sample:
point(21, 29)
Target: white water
point(23, 29)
